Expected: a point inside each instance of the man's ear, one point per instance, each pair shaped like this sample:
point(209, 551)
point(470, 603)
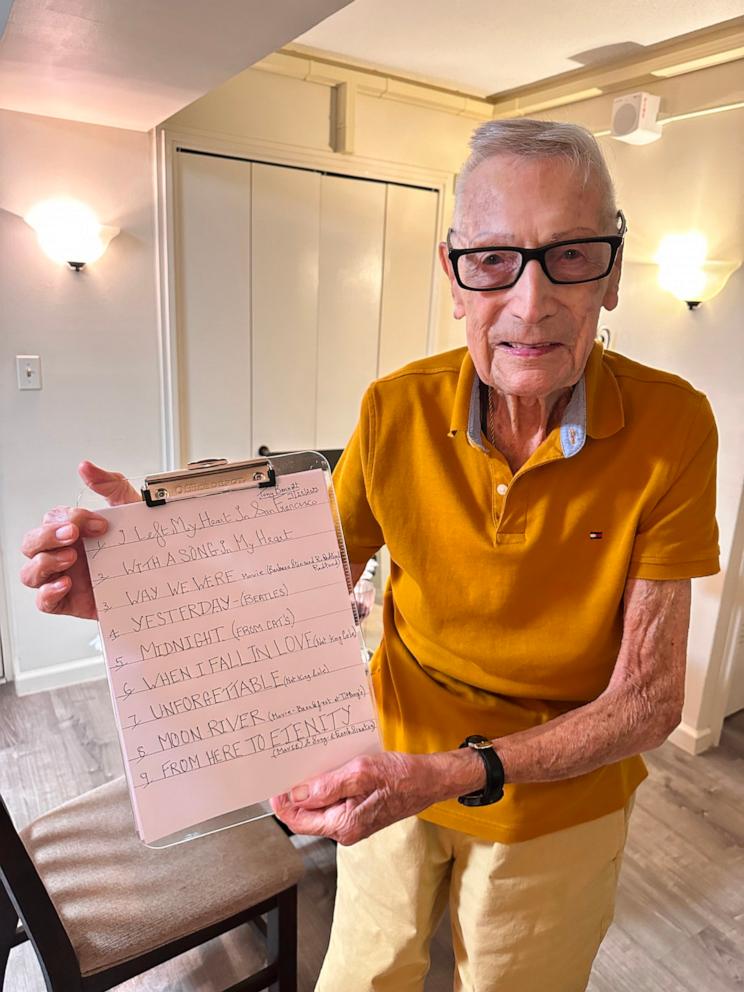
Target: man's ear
point(612, 292)
point(457, 293)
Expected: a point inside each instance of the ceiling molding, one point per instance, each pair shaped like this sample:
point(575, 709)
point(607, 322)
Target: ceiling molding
point(410, 78)
point(685, 53)
point(295, 61)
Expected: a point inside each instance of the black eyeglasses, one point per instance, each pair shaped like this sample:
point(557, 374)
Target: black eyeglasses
point(563, 262)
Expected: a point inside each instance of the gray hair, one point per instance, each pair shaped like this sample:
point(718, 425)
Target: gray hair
point(529, 138)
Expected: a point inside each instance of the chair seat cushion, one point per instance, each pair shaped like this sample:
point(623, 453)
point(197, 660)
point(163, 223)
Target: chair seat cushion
point(118, 898)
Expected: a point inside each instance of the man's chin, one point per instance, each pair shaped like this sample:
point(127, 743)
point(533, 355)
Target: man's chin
point(529, 383)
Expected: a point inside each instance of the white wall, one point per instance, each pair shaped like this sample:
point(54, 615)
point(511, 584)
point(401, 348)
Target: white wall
point(97, 336)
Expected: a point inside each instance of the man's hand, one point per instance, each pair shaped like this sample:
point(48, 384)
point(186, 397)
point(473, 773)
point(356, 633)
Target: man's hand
point(373, 791)
point(57, 566)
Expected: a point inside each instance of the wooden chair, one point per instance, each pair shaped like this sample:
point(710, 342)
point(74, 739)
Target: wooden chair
point(99, 907)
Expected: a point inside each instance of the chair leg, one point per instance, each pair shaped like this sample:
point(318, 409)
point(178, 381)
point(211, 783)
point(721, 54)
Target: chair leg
point(281, 938)
point(8, 924)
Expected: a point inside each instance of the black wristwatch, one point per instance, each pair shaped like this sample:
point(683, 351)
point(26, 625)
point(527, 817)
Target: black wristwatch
point(494, 787)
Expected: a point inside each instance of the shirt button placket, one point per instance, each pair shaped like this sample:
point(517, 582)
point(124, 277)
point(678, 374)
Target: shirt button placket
point(500, 489)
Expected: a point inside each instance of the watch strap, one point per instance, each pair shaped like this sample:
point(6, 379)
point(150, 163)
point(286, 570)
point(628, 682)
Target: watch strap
point(494, 787)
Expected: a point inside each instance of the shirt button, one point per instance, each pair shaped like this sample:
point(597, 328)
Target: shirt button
point(502, 489)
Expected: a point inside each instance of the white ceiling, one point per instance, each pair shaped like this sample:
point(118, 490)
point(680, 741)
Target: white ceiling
point(484, 47)
point(133, 63)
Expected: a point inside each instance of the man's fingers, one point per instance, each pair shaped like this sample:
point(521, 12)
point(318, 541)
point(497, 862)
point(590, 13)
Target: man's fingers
point(305, 821)
point(113, 486)
point(51, 595)
point(46, 565)
point(57, 514)
point(324, 790)
point(332, 821)
point(63, 531)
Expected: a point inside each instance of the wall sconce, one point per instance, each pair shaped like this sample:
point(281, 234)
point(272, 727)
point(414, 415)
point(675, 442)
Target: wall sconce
point(68, 231)
point(685, 272)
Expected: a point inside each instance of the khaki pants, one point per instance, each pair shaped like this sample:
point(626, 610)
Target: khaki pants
point(526, 917)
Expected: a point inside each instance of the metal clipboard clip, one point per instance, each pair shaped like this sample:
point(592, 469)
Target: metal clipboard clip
point(206, 477)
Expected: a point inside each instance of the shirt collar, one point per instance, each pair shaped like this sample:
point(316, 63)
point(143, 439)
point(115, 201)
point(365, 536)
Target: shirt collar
point(595, 408)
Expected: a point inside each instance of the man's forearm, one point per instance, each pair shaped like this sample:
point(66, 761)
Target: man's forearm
point(637, 711)
point(616, 725)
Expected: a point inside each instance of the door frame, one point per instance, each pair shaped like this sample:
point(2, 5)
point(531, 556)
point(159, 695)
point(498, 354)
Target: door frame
point(728, 635)
point(167, 141)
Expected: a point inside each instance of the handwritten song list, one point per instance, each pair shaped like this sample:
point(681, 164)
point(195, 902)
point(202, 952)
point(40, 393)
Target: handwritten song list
point(232, 653)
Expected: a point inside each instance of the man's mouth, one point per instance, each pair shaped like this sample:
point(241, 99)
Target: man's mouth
point(533, 350)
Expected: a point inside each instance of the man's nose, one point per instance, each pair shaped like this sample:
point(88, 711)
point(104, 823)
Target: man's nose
point(532, 297)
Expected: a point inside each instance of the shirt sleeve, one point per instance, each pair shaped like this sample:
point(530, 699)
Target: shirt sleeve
point(352, 481)
point(678, 537)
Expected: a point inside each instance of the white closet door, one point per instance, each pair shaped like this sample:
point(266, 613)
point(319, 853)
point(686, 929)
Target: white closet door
point(352, 224)
point(410, 249)
point(213, 306)
point(285, 229)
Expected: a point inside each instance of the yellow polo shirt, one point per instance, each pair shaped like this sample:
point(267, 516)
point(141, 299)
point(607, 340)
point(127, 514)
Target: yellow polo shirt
point(504, 605)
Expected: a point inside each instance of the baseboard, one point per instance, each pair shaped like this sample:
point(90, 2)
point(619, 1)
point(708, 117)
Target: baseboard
point(55, 676)
point(690, 740)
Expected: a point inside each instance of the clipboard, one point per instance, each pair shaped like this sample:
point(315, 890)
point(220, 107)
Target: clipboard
point(233, 647)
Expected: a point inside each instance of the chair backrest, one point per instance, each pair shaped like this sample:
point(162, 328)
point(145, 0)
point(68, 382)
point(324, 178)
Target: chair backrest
point(331, 455)
point(35, 909)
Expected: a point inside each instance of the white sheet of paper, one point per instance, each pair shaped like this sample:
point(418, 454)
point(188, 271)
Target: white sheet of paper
point(232, 653)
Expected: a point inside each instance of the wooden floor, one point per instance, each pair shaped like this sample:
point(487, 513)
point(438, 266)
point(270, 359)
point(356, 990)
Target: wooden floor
point(680, 916)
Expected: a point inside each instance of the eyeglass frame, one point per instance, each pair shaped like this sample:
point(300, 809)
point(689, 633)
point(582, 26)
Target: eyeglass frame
point(538, 254)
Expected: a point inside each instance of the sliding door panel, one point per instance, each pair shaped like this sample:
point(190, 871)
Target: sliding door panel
point(212, 241)
point(410, 248)
point(285, 230)
point(352, 225)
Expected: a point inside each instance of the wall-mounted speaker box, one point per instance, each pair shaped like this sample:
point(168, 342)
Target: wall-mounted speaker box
point(634, 118)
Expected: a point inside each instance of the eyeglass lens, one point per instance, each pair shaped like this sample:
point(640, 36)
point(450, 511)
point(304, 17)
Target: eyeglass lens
point(566, 263)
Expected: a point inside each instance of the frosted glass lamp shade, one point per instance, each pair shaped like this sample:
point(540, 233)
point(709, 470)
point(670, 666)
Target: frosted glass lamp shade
point(68, 231)
point(685, 272)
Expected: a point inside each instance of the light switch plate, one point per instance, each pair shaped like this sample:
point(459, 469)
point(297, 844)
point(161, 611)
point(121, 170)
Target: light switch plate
point(28, 369)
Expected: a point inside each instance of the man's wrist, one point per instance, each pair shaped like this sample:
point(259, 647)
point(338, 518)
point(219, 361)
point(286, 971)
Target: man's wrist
point(462, 771)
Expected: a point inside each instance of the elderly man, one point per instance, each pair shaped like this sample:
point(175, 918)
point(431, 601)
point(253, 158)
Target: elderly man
point(545, 505)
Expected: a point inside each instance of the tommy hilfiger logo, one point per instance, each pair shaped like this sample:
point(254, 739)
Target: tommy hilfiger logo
point(596, 535)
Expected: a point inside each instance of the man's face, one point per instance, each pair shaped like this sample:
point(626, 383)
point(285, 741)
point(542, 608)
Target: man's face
point(528, 203)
